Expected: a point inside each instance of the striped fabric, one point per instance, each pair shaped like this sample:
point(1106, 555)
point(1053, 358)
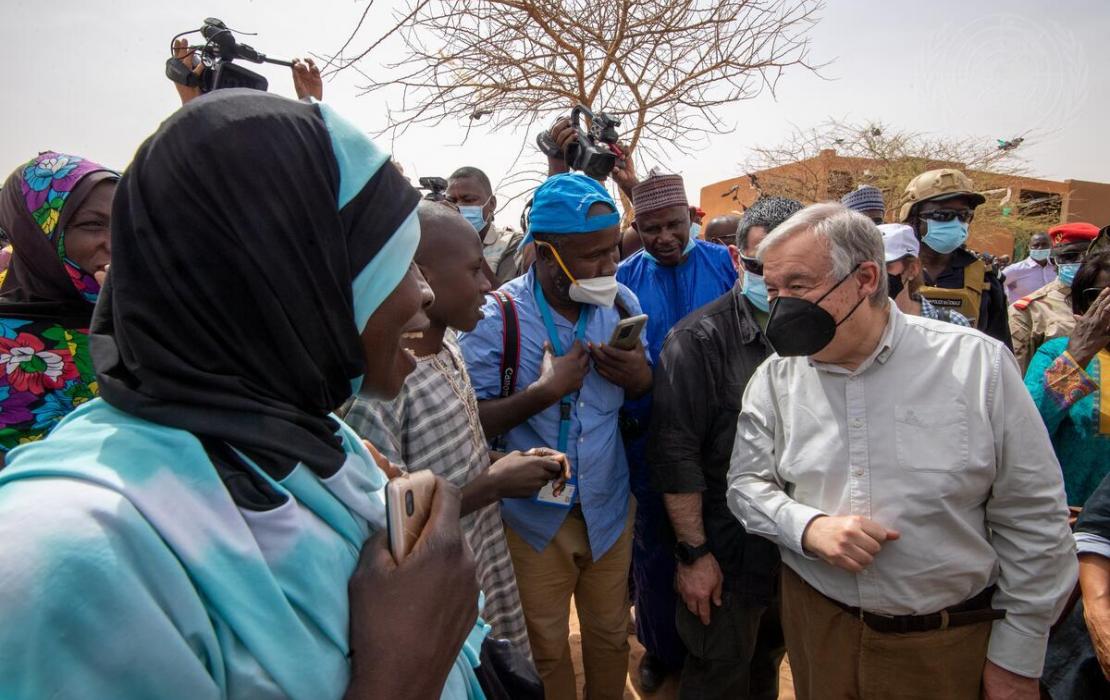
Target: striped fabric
point(430, 426)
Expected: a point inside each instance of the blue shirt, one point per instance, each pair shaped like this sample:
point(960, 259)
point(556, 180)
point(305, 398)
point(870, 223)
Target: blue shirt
point(668, 294)
point(595, 449)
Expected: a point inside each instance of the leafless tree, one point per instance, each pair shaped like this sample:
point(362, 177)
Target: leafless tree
point(665, 67)
point(888, 158)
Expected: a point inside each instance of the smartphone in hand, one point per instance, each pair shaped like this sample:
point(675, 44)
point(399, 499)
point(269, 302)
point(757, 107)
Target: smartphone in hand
point(627, 332)
point(408, 503)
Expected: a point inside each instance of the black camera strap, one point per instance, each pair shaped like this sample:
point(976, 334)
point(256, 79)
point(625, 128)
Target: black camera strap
point(510, 343)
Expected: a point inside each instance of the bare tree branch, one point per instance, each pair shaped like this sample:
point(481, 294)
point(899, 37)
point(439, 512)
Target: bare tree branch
point(666, 67)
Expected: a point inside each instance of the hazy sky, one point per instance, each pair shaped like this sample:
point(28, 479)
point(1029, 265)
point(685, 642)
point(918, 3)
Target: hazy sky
point(86, 76)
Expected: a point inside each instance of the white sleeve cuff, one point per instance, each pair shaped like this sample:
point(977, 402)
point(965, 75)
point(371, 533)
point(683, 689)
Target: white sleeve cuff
point(793, 518)
point(1016, 651)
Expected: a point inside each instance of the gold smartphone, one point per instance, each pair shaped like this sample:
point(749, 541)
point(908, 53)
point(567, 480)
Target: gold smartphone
point(408, 503)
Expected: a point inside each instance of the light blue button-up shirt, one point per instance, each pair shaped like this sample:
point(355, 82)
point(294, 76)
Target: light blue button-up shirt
point(595, 448)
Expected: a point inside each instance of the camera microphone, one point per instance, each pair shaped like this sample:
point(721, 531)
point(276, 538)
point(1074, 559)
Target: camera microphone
point(216, 32)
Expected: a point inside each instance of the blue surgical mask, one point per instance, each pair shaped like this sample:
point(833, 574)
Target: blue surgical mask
point(944, 236)
point(1066, 273)
point(690, 245)
point(473, 213)
point(755, 289)
point(1039, 254)
point(695, 231)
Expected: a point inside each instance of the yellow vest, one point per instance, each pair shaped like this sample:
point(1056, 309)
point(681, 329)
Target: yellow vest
point(965, 300)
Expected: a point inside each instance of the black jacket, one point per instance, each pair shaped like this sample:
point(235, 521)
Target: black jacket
point(700, 378)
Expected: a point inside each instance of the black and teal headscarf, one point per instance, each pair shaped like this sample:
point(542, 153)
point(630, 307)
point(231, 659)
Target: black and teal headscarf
point(252, 238)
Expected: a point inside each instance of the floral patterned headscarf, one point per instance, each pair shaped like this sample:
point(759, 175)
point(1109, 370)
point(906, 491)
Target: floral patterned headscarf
point(36, 203)
point(46, 301)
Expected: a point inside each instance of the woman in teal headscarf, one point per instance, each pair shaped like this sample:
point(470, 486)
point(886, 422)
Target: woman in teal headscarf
point(208, 528)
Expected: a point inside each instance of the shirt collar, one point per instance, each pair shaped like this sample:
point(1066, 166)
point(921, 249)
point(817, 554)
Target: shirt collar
point(892, 334)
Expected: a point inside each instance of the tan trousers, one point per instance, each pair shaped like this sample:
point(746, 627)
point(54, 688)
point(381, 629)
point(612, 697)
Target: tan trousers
point(835, 655)
point(547, 580)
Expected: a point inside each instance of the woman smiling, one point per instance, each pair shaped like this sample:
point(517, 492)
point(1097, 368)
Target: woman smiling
point(56, 208)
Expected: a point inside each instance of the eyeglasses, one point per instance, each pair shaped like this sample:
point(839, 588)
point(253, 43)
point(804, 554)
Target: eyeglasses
point(964, 215)
point(1066, 258)
point(1090, 294)
point(752, 265)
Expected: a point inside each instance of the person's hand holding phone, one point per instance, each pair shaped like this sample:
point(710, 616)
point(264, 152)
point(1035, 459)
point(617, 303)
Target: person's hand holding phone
point(522, 474)
point(409, 620)
point(628, 369)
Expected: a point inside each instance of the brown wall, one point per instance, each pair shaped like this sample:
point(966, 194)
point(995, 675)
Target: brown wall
point(1087, 201)
point(1081, 201)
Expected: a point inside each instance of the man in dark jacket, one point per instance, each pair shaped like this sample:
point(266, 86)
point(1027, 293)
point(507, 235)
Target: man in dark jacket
point(726, 579)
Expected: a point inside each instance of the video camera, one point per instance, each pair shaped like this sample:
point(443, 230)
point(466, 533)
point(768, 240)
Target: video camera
point(436, 186)
point(217, 55)
point(596, 151)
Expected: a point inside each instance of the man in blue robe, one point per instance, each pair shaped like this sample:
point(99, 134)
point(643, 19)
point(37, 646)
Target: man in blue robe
point(674, 274)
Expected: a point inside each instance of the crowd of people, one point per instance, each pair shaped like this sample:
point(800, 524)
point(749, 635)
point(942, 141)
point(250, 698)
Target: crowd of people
point(841, 436)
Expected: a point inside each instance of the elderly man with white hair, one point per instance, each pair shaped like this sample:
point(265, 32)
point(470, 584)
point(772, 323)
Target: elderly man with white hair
point(902, 468)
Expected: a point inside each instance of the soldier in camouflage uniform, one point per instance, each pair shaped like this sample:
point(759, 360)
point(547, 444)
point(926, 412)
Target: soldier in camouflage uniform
point(1047, 313)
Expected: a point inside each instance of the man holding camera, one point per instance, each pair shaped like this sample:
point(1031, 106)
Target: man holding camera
point(564, 391)
point(470, 190)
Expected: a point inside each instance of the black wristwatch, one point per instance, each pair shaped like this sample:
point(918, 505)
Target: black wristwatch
point(688, 554)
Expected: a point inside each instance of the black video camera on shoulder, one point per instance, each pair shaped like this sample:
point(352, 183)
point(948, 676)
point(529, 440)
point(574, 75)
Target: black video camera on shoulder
point(596, 152)
point(217, 56)
point(436, 186)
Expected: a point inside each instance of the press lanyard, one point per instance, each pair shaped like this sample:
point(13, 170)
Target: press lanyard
point(566, 404)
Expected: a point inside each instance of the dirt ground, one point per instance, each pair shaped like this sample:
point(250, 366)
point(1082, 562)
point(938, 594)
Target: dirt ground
point(669, 691)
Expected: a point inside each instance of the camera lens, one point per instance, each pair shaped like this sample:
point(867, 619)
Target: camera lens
point(408, 503)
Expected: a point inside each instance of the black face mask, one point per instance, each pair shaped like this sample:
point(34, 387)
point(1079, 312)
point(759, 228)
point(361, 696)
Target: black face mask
point(893, 285)
point(799, 327)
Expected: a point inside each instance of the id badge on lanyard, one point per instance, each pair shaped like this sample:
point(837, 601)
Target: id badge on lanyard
point(546, 495)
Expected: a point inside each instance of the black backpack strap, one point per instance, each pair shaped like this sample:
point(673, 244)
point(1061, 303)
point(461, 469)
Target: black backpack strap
point(510, 343)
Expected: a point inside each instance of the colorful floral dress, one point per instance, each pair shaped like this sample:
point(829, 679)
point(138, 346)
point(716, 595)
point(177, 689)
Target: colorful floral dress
point(46, 301)
point(1075, 405)
point(47, 372)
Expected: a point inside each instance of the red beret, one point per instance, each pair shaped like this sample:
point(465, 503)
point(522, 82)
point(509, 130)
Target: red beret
point(1074, 232)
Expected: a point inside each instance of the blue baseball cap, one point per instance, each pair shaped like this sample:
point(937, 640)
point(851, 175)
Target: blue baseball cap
point(562, 203)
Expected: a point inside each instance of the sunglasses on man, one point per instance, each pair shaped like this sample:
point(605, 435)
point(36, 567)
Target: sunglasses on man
point(751, 265)
point(1066, 257)
point(944, 215)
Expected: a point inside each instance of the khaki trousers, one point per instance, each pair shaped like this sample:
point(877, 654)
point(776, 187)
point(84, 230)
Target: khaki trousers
point(547, 580)
point(835, 655)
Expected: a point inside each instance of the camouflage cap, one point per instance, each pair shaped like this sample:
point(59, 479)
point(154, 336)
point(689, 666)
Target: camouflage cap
point(945, 183)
